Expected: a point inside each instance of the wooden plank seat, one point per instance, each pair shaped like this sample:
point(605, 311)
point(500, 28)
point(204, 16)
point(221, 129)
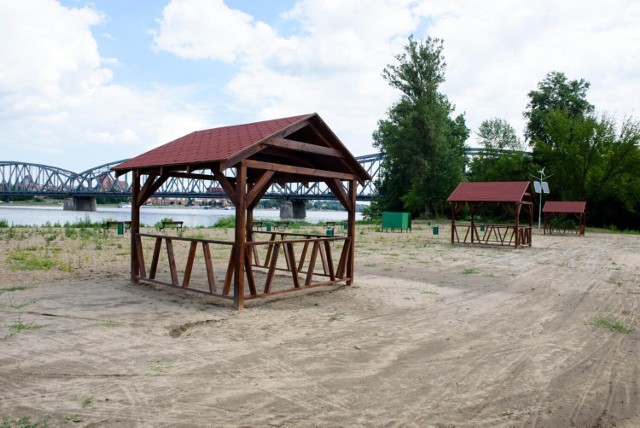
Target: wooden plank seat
point(281, 225)
point(177, 225)
point(258, 225)
point(112, 224)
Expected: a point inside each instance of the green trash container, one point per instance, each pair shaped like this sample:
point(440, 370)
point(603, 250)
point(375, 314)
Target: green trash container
point(436, 229)
point(330, 232)
point(345, 225)
point(268, 227)
point(120, 228)
point(482, 228)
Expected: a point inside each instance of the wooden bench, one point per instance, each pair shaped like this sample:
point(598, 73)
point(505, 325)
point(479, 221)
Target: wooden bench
point(258, 225)
point(177, 225)
point(330, 225)
point(109, 224)
point(281, 225)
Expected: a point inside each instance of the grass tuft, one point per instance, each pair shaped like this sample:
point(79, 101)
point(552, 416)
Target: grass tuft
point(610, 324)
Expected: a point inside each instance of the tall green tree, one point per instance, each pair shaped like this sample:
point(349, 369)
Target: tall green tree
point(504, 157)
point(555, 92)
point(422, 144)
point(591, 157)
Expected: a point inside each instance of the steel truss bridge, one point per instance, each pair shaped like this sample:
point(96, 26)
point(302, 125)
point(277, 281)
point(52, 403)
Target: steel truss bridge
point(18, 179)
point(27, 179)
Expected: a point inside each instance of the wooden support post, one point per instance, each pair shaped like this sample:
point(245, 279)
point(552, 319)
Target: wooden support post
point(135, 227)
point(453, 221)
point(211, 277)
point(240, 238)
point(517, 231)
point(351, 233)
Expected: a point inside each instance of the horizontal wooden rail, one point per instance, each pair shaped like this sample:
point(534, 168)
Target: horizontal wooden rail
point(492, 234)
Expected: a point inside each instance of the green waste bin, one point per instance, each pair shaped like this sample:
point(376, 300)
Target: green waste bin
point(345, 225)
point(436, 229)
point(482, 228)
point(120, 228)
point(268, 227)
point(329, 232)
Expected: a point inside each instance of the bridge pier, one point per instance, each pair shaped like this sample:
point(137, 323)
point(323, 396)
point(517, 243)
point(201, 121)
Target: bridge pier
point(293, 209)
point(80, 203)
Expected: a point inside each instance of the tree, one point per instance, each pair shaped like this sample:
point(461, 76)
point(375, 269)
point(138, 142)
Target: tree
point(555, 92)
point(503, 158)
point(591, 157)
point(423, 146)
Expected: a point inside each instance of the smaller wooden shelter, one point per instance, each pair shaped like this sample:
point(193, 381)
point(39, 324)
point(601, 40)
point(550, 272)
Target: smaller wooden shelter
point(518, 199)
point(559, 215)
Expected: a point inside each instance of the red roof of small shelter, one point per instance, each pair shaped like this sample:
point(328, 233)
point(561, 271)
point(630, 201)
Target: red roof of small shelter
point(215, 144)
point(493, 191)
point(303, 146)
point(578, 207)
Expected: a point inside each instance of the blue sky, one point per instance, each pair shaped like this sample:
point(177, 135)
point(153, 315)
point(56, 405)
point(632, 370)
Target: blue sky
point(87, 82)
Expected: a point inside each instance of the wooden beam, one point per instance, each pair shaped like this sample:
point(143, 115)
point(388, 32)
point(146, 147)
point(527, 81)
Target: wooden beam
point(242, 155)
point(227, 185)
point(304, 147)
point(259, 188)
point(194, 176)
point(150, 187)
point(340, 193)
point(351, 233)
point(135, 228)
point(240, 237)
point(298, 170)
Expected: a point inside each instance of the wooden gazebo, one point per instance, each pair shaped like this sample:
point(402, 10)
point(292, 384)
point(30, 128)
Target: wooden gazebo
point(564, 209)
point(518, 199)
point(246, 160)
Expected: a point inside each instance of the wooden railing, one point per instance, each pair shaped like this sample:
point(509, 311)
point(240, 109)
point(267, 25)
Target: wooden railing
point(496, 234)
point(309, 259)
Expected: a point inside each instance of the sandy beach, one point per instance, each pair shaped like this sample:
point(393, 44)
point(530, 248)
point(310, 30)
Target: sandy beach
point(431, 334)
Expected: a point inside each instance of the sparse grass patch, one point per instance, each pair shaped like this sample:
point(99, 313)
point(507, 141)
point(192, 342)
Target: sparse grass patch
point(336, 317)
point(23, 422)
point(15, 288)
point(87, 401)
point(108, 323)
point(20, 326)
point(28, 259)
point(160, 367)
point(610, 324)
point(469, 270)
point(18, 305)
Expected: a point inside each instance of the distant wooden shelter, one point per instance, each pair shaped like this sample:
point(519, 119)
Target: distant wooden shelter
point(559, 216)
point(246, 160)
point(518, 199)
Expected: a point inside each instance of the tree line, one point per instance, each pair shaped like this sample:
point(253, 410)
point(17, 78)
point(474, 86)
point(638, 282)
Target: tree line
point(587, 155)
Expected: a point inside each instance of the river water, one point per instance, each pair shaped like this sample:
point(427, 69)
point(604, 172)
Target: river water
point(149, 215)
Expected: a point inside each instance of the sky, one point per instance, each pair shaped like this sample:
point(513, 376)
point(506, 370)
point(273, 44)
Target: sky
point(88, 82)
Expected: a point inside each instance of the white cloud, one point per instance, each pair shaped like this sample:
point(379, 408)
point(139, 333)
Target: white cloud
point(58, 103)
point(508, 47)
point(331, 65)
point(496, 53)
point(62, 104)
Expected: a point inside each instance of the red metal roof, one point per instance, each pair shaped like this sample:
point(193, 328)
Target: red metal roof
point(565, 207)
point(492, 191)
point(211, 145)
